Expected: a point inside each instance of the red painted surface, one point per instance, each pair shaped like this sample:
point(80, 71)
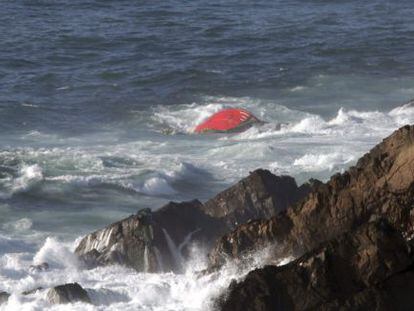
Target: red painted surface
point(226, 120)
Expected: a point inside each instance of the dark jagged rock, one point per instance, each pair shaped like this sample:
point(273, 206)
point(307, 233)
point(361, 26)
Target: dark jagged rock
point(151, 241)
point(158, 241)
point(346, 271)
point(395, 293)
point(67, 293)
point(178, 224)
point(4, 297)
point(252, 236)
point(351, 235)
point(260, 195)
point(380, 185)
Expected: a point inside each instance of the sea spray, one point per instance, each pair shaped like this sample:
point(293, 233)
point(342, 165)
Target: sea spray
point(174, 250)
point(89, 97)
point(28, 176)
point(146, 259)
point(187, 239)
point(116, 287)
point(158, 257)
point(56, 254)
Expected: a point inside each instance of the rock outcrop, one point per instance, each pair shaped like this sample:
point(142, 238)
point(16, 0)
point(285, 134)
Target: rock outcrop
point(67, 293)
point(151, 241)
point(353, 236)
point(260, 195)
point(158, 241)
point(348, 272)
point(380, 185)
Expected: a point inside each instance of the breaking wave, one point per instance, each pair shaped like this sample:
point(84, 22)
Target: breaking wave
point(25, 177)
point(281, 120)
point(116, 287)
point(187, 166)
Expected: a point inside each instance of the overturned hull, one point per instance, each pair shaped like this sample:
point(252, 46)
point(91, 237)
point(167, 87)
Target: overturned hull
point(230, 120)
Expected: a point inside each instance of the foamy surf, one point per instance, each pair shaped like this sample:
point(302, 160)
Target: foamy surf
point(116, 287)
point(138, 173)
point(185, 166)
point(98, 112)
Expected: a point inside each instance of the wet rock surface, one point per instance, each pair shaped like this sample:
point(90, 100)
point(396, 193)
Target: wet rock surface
point(152, 241)
point(67, 293)
point(158, 241)
point(380, 185)
point(346, 271)
point(352, 236)
point(260, 195)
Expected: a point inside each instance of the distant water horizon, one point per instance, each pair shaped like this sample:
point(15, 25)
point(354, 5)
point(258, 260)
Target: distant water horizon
point(99, 100)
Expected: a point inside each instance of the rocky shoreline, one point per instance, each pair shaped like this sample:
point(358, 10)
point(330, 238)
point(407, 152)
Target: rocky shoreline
point(351, 237)
point(157, 241)
point(353, 233)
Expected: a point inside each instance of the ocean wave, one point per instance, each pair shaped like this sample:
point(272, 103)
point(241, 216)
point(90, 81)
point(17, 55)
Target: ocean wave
point(20, 180)
point(280, 120)
point(346, 123)
point(13, 245)
point(156, 186)
point(117, 287)
point(76, 170)
point(57, 255)
point(181, 167)
point(22, 224)
point(184, 118)
point(28, 176)
point(319, 162)
point(292, 137)
point(403, 114)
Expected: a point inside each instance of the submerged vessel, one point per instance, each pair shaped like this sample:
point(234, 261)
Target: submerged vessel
point(230, 120)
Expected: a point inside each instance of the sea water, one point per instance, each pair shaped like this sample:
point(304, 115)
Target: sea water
point(99, 99)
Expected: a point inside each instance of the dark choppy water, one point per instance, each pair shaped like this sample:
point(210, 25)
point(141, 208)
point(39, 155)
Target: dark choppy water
point(86, 65)
point(88, 91)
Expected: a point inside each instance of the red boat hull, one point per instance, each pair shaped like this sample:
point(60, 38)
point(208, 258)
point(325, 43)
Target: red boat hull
point(227, 120)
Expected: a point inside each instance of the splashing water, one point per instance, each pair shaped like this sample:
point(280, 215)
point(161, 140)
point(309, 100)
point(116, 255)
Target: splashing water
point(174, 250)
point(146, 259)
point(117, 287)
point(98, 111)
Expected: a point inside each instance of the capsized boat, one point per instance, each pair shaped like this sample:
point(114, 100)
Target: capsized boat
point(230, 120)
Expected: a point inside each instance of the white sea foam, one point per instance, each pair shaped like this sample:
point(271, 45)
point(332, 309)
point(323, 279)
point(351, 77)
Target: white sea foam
point(22, 224)
point(28, 176)
point(187, 117)
point(120, 288)
point(297, 88)
point(293, 138)
point(178, 165)
point(291, 142)
point(157, 186)
point(318, 162)
point(86, 169)
point(56, 254)
point(403, 114)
